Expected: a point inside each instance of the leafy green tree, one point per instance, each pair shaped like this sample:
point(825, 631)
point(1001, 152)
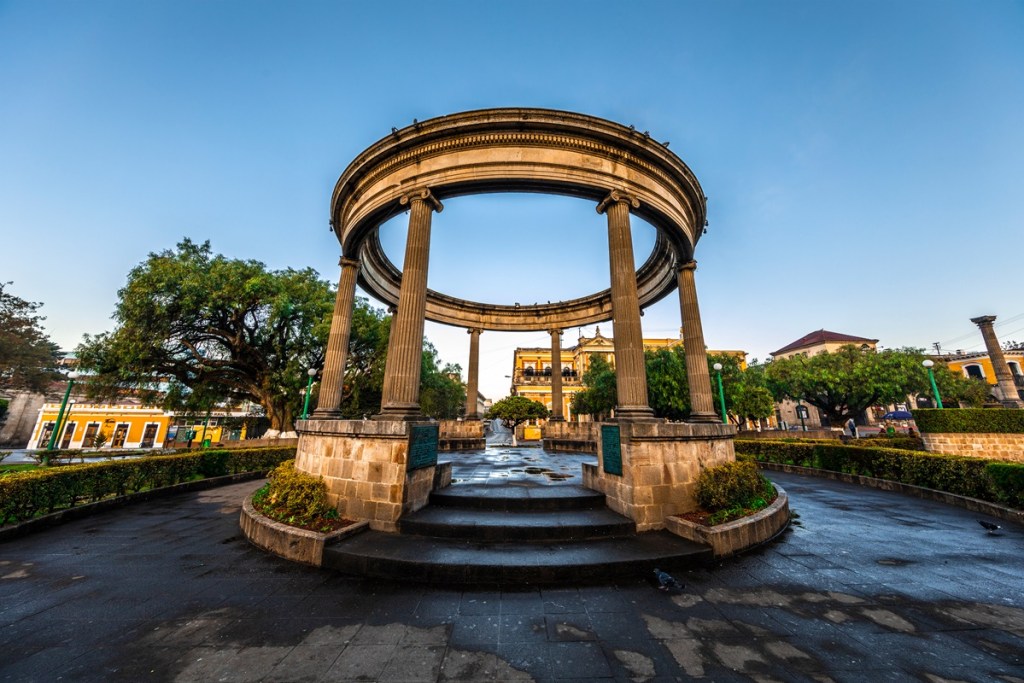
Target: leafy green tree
point(847, 382)
point(28, 359)
point(514, 411)
point(600, 395)
point(189, 320)
point(442, 393)
point(367, 355)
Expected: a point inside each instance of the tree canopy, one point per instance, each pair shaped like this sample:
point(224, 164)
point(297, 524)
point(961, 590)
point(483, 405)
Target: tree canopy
point(195, 328)
point(28, 359)
point(847, 382)
point(515, 410)
point(600, 393)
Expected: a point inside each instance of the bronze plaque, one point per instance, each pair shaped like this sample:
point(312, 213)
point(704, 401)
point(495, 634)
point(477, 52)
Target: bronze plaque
point(422, 447)
point(611, 449)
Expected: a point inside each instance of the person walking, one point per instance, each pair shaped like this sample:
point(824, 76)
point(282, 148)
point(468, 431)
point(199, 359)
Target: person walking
point(851, 426)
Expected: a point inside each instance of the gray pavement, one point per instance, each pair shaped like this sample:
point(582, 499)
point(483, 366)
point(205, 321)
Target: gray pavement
point(867, 586)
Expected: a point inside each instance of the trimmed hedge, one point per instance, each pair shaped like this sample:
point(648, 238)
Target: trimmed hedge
point(24, 495)
point(969, 420)
point(994, 481)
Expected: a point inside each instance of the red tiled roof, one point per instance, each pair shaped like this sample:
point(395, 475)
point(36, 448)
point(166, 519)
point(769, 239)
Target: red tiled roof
point(821, 337)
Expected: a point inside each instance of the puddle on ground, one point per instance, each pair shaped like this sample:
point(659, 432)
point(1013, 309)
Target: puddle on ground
point(550, 474)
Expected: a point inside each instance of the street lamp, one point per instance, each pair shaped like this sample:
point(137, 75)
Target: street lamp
point(72, 376)
point(721, 394)
point(928, 363)
point(309, 390)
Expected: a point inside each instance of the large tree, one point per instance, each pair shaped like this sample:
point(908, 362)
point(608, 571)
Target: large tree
point(442, 393)
point(28, 358)
point(515, 410)
point(198, 323)
point(599, 396)
point(847, 382)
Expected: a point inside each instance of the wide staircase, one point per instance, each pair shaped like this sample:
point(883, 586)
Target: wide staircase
point(513, 535)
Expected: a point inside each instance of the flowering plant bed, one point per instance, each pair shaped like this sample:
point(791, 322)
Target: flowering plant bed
point(325, 523)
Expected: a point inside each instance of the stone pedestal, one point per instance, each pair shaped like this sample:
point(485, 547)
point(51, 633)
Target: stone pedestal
point(365, 466)
point(660, 463)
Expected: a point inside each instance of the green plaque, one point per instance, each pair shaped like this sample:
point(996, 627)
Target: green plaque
point(611, 449)
point(422, 447)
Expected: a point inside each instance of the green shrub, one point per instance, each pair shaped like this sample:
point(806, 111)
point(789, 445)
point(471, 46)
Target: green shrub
point(731, 485)
point(997, 482)
point(295, 497)
point(969, 420)
point(1009, 481)
point(24, 495)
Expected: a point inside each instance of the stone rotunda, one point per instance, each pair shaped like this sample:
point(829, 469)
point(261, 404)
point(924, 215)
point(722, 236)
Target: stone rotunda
point(381, 469)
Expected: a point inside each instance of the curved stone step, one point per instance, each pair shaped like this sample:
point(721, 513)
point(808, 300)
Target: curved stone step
point(498, 525)
point(402, 557)
point(518, 498)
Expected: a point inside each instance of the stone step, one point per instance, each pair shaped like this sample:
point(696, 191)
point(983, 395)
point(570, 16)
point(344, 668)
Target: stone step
point(518, 498)
point(403, 557)
point(499, 525)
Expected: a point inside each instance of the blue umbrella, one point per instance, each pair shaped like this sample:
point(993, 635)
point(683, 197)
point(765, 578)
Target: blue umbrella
point(898, 415)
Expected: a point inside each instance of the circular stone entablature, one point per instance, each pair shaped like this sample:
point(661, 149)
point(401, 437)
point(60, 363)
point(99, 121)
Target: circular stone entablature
point(519, 150)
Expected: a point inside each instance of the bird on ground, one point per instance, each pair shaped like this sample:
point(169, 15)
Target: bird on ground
point(989, 526)
point(666, 581)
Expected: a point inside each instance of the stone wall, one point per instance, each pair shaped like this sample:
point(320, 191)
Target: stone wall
point(571, 437)
point(779, 434)
point(660, 465)
point(461, 435)
point(994, 446)
point(363, 463)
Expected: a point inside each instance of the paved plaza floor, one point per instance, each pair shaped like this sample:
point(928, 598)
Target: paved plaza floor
point(866, 586)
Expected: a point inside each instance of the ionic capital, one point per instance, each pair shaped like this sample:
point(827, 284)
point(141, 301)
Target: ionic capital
point(616, 196)
point(348, 262)
point(471, 330)
point(689, 265)
point(555, 331)
point(421, 195)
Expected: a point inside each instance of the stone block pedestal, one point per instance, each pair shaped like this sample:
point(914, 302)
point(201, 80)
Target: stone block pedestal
point(365, 466)
point(659, 464)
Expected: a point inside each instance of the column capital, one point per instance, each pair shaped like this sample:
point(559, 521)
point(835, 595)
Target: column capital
point(688, 265)
point(617, 196)
point(984, 320)
point(555, 330)
point(422, 195)
point(349, 262)
point(471, 330)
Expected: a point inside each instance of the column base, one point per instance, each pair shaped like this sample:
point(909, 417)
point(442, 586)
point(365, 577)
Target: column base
point(326, 415)
point(635, 414)
point(403, 413)
point(472, 416)
point(559, 418)
point(705, 417)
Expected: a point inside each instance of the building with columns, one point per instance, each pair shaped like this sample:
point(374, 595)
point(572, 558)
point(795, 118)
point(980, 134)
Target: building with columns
point(532, 368)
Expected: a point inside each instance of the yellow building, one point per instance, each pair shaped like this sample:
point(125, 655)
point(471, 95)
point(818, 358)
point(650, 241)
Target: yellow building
point(532, 367)
point(128, 425)
point(123, 425)
point(978, 365)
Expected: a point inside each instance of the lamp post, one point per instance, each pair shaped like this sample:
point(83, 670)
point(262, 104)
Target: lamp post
point(928, 363)
point(309, 390)
point(72, 376)
point(721, 394)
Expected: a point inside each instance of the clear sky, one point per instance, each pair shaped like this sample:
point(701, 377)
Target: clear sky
point(864, 161)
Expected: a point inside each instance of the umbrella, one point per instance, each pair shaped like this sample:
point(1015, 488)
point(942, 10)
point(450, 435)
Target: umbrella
point(898, 415)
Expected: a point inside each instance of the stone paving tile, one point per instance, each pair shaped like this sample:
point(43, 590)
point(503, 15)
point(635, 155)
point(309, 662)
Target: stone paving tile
point(870, 586)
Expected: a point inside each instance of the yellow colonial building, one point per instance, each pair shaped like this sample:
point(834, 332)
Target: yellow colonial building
point(978, 365)
point(532, 367)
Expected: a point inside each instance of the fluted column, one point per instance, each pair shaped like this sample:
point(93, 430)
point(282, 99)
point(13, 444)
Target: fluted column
point(401, 395)
point(1011, 399)
point(702, 405)
point(556, 377)
point(331, 382)
point(472, 384)
point(630, 372)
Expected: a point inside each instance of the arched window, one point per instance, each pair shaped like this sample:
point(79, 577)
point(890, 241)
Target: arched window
point(1014, 367)
point(974, 371)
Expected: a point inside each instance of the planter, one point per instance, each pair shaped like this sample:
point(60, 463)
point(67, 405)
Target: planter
point(291, 543)
point(740, 534)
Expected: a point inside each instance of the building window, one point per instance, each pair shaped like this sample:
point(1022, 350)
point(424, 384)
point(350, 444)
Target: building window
point(44, 435)
point(974, 371)
point(91, 430)
point(69, 433)
point(1014, 367)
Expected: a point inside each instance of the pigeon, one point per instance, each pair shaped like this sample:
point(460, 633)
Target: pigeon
point(989, 526)
point(666, 581)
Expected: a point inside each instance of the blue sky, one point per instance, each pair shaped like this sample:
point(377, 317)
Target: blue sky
point(863, 160)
